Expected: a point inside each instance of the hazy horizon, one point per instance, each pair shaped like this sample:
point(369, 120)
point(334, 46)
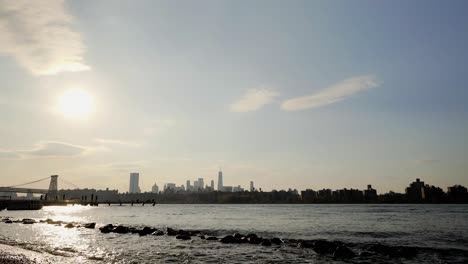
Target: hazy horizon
point(302, 94)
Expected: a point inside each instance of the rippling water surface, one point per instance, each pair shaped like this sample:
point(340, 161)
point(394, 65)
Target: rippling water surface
point(437, 228)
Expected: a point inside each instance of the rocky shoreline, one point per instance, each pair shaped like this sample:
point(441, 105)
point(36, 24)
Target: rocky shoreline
point(336, 250)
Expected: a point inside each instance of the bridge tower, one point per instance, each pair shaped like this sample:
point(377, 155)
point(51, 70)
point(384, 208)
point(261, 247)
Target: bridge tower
point(53, 187)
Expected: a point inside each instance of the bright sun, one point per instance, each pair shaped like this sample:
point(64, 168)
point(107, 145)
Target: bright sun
point(76, 104)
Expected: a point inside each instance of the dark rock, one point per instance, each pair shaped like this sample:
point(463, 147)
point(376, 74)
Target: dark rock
point(211, 238)
point(394, 251)
point(146, 231)
point(305, 244)
point(133, 230)
point(107, 228)
point(28, 221)
point(183, 237)
point(121, 230)
point(343, 252)
point(202, 237)
point(324, 247)
point(365, 254)
point(8, 221)
point(171, 232)
point(158, 233)
point(69, 225)
point(228, 239)
point(277, 241)
point(238, 236)
point(90, 225)
point(183, 232)
point(254, 239)
point(266, 242)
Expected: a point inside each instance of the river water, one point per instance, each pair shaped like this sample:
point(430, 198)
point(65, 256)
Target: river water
point(439, 231)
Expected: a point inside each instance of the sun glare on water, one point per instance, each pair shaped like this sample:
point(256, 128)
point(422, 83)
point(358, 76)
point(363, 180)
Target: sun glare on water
point(76, 104)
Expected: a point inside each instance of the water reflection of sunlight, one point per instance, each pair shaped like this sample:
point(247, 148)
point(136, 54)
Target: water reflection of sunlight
point(66, 213)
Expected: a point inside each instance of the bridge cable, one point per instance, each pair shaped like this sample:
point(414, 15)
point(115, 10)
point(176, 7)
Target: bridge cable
point(69, 183)
point(28, 183)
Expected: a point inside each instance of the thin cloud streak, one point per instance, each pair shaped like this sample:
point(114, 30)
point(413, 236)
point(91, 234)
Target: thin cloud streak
point(39, 36)
point(253, 100)
point(117, 142)
point(48, 149)
point(332, 94)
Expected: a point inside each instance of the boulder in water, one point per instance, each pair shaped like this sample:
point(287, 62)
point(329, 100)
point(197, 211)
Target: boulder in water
point(146, 231)
point(343, 252)
point(228, 239)
point(28, 221)
point(8, 221)
point(324, 247)
point(183, 237)
point(107, 228)
point(121, 230)
point(171, 232)
point(277, 241)
point(254, 239)
point(69, 225)
point(266, 242)
point(211, 238)
point(90, 225)
point(158, 233)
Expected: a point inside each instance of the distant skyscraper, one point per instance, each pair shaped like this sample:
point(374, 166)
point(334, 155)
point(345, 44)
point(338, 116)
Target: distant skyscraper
point(201, 184)
point(155, 188)
point(220, 181)
point(134, 183)
point(212, 185)
point(188, 186)
point(252, 188)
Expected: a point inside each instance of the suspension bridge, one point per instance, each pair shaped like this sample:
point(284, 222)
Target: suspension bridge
point(51, 191)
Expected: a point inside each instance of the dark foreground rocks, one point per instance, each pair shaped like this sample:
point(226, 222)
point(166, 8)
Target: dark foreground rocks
point(334, 249)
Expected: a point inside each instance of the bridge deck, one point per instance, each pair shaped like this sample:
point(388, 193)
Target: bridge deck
point(23, 190)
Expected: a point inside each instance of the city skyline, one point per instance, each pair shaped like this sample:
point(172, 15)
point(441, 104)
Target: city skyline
point(308, 93)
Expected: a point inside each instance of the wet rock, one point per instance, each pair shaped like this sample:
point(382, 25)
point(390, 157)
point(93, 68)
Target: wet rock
point(183, 233)
point(146, 231)
point(324, 247)
point(365, 254)
point(305, 244)
point(90, 225)
point(211, 238)
point(28, 221)
point(202, 237)
point(183, 237)
point(238, 236)
point(392, 251)
point(69, 225)
point(107, 228)
point(277, 241)
point(121, 230)
point(228, 239)
point(158, 233)
point(343, 252)
point(253, 239)
point(171, 232)
point(8, 221)
point(266, 242)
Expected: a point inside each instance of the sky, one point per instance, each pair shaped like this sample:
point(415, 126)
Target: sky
point(289, 94)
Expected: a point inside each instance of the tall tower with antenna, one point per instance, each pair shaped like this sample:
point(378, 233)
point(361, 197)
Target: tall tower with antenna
point(220, 180)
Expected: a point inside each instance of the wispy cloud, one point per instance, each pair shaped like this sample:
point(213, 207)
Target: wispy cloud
point(117, 142)
point(46, 149)
point(253, 100)
point(39, 36)
point(332, 94)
